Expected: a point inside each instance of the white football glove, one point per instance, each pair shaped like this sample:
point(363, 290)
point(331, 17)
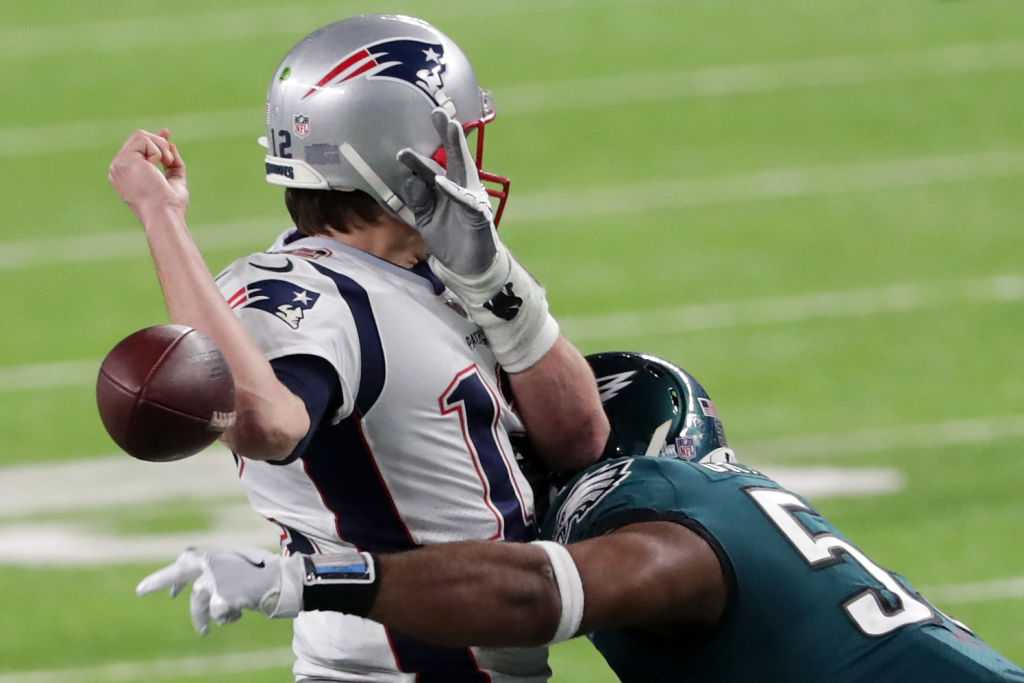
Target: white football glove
point(225, 582)
point(453, 214)
point(451, 207)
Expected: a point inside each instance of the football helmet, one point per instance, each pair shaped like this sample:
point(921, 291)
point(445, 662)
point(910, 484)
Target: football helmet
point(350, 95)
point(657, 408)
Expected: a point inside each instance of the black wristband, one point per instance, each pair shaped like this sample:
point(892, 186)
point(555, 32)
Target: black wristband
point(333, 586)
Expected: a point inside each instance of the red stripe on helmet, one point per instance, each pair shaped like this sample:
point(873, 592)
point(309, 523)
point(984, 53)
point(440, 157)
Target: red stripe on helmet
point(362, 69)
point(333, 73)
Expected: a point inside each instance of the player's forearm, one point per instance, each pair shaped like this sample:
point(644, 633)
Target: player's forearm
point(560, 406)
point(270, 420)
point(472, 593)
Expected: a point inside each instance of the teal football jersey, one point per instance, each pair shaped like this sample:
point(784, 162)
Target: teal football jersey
point(806, 605)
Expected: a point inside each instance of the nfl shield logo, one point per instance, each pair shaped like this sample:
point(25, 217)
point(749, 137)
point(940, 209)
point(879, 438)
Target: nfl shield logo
point(301, 125)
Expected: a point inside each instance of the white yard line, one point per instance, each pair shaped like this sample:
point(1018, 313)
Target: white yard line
point(746, 79)
point(844, 444)
point(73, 543)
point(541, 209)
point(857, 303)
point(36, 376)
point(980, 591)
point(225, 27)
point(27, 490)
point(155, 669)
point(259, 660)
point(770, 184)
point(541, 97)
point(837, 482)
point(64, 488)
point(252, 234)
point(114, 480)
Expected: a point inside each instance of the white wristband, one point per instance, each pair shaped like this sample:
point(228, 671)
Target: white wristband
point(570, 589)
point(510, 306)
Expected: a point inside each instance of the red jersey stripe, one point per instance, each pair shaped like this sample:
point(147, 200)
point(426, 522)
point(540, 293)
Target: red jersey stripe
point(237, 298)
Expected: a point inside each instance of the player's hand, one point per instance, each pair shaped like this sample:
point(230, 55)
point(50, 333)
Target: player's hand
point(225, 582)
point(149, 173)
point(451, 206)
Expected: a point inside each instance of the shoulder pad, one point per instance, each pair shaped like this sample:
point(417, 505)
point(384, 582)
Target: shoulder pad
point(586, 493)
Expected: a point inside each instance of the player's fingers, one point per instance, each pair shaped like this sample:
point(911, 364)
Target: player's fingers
point(424, 168)
point(165, 133)
point(439, 119)
point(465, 198)
point(221, 612)
point(152, 152)
point(467, 164)
point(157, 581)
point(419, 197)
point(468, 159)
point(173, 577)
point(175, 169)
point(199, 604)
point(450, 131)
point(164, 154)
point(135, 143)
point(186, 569)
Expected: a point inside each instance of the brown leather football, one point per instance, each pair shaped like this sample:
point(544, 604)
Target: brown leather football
point(165, 393)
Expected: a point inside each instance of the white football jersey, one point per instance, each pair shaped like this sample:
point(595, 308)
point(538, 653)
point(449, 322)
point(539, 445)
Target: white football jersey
point(418, 452)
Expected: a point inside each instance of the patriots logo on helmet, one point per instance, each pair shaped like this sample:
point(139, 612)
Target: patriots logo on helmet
point(415, 62)
point(284, 300)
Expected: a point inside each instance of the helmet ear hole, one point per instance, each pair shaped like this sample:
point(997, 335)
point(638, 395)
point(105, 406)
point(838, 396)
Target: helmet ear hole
point(677, 400)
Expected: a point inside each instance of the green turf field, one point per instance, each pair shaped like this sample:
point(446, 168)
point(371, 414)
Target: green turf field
point(814, 205)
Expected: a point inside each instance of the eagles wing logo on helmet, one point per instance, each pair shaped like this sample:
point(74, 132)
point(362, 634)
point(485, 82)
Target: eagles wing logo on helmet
point(284, 300)
point(609, 386)
point(416, 62)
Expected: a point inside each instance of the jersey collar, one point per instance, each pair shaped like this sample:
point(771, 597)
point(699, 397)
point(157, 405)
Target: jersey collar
point(420, 274)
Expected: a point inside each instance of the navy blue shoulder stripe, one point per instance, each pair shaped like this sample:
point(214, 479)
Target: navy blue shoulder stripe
point(424, 271)
point(372, 366)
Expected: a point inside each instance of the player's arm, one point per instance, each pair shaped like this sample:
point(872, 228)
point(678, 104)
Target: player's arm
point(554, 387)
point(654, 575)
point(558, 401)
point(270, 419)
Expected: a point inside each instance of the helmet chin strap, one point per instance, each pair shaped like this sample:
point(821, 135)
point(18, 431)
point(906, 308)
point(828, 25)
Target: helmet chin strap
point(386, 194)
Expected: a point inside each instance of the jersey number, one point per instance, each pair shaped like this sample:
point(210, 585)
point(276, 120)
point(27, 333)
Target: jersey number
point(865, 609)
point(477, 408)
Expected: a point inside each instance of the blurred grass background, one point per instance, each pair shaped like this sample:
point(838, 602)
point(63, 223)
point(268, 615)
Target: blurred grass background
point(743, 156)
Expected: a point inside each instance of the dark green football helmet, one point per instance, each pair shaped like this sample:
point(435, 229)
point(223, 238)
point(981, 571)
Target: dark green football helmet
point(657, 408)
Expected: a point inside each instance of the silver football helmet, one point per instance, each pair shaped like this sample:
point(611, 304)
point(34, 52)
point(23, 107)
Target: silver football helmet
point(352, 94)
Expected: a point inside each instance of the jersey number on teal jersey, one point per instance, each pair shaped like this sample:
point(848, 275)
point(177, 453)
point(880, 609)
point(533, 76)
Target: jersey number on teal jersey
point(865, 608)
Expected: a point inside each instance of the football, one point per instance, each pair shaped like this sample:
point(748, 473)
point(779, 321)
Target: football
point(165, 393)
